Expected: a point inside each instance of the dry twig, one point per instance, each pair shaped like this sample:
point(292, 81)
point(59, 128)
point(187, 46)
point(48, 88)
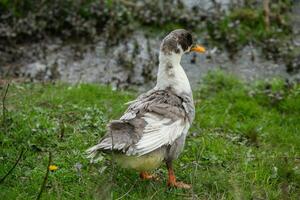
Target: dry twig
point(45, 178)
point(128, 3)
point(130, 189)
point(13, 167)
point(267, 13)
point(3, 104)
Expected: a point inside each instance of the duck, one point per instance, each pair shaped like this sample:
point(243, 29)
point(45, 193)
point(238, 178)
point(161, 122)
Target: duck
point(153, 129)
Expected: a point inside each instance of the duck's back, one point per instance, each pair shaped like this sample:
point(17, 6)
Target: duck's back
point(155, 120)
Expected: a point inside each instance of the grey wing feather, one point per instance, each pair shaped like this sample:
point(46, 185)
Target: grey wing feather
point(154, 119)
point(188, 104)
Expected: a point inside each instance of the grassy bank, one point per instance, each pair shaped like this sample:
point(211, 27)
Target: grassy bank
point(244, 143)
point(115, 20)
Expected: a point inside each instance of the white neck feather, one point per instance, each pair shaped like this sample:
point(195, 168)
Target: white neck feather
point(171, 74)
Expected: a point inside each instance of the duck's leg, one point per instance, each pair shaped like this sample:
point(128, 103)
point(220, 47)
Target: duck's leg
point(172, 178)
point(147, 176)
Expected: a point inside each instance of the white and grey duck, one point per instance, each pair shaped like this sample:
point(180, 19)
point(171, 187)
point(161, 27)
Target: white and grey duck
point(154, 127)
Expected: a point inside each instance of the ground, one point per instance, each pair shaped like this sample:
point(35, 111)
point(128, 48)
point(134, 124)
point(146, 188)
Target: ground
point(244, 142)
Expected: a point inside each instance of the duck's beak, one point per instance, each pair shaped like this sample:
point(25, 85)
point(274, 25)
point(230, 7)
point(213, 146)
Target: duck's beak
point(198, 48)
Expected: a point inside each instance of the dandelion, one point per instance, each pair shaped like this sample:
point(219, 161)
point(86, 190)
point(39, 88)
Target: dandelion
point(53, 167)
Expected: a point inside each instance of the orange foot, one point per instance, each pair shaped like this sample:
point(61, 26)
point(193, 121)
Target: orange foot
point(179, 184)
point(172, 180)
point(147, 176)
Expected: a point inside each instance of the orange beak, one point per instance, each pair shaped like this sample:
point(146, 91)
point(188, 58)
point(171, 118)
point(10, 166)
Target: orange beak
point(198, 48)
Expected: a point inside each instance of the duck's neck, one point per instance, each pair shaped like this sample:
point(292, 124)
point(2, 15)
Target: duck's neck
point(171, 75)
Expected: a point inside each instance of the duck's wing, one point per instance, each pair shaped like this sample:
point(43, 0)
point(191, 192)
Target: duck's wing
point(155, 119)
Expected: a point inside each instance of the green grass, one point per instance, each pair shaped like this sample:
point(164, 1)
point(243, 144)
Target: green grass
point(244, 143)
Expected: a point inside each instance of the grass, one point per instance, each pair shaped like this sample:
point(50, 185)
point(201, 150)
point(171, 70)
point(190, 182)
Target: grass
point(244, 143)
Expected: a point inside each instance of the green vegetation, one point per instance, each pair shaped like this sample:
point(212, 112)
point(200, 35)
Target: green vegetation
point(245, 25)
point(244, 143)
point(113, 20)
point(116, 19)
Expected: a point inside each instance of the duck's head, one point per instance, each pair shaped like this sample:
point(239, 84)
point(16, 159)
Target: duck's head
point(179, 41)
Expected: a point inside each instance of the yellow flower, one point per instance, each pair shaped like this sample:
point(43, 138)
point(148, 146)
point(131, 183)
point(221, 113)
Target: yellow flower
point(53, 167)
